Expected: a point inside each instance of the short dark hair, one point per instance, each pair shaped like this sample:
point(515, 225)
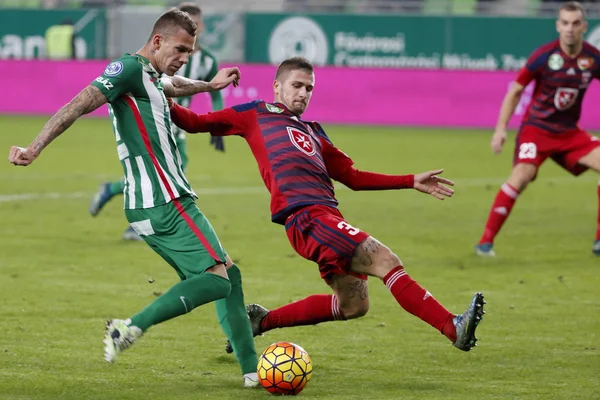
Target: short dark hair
point(573, 6)
point(166, 23)
point(190, 8)
point(292, 64)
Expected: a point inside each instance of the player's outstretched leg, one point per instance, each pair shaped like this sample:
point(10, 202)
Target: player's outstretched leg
point(375, 259)
point(416, 300)
point(106, 192)
point(467, 323)
point(311, 310)
point(180, 299)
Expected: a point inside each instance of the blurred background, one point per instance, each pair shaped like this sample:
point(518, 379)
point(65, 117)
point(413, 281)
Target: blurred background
point(107, 28)
point(452, 54)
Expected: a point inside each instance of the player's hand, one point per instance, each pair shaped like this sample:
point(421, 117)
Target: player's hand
point(170, 102)
point(430, 183)
point(21, 156)
point(498, 139)
point(225, 77)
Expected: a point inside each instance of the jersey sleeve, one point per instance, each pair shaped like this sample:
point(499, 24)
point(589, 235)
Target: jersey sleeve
point(341, 169)
point(336, 161)
point(533, 68)
point(219, 123)
point(118, 78)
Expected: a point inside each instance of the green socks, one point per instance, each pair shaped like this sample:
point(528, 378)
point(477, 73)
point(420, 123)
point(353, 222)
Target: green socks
point(231, 312)
point(117, 187)
point(183, 298)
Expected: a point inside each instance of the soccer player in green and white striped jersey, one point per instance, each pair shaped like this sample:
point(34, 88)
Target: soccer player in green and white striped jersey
point(203, 66)
point(159, 202)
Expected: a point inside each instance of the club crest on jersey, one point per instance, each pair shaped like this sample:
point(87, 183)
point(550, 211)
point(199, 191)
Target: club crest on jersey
point(114, 68)
point(565, 98)
point(555, 62)
point(585, 62)
point(274, 109)
point(302, 141)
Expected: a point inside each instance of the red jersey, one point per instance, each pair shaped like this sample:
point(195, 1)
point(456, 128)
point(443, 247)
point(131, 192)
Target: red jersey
point(296, 159)
point(560, 85)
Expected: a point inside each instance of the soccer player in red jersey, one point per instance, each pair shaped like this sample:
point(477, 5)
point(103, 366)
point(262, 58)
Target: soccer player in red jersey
point(562, 70)
point(297, 162)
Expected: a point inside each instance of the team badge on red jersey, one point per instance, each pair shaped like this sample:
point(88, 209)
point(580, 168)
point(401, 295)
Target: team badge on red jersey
point(565, 98)
point(302, 141)
point(585, 62)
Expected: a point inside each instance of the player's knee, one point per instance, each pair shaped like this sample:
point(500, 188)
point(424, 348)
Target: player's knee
point(592, 159)
point(522, 175)
point(355, 310)
point(387, 260)
point(374, 258)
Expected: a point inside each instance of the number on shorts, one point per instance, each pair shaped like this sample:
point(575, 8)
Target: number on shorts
point(346, 226)
point(527, 150)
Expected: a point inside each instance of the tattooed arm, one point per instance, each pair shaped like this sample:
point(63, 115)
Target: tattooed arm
point(88, 100)
point(178, 86)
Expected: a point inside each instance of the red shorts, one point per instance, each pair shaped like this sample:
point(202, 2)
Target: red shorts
point(320, 233)
point(534, 145)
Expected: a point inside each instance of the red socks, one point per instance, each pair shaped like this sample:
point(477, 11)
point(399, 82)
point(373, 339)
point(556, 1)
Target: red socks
point(309, 311)
point(324, 307)
point(503, 204)
point(419, 302)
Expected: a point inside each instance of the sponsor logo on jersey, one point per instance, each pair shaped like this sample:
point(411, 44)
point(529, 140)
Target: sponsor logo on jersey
point(571, 71)
point(274, 109)
point(105, 82)
point(114, 68)
point(555, 62)
point(585, 62)
point(302, 141)
point(565, 98)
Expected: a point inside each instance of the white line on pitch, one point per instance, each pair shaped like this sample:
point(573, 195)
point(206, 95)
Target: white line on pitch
point(464, 182)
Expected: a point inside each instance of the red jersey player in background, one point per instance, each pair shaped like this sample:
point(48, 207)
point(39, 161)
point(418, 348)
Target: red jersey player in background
point(297, 162)
point(562, 71)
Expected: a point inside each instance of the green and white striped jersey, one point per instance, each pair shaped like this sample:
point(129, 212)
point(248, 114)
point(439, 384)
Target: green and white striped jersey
point(203, 66)
point(142, 125)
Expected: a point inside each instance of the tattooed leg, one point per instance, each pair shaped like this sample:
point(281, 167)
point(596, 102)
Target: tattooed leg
point(352, 295)
point(373, 258)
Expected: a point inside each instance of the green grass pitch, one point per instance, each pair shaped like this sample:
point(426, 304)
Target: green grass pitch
point(63, 273)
